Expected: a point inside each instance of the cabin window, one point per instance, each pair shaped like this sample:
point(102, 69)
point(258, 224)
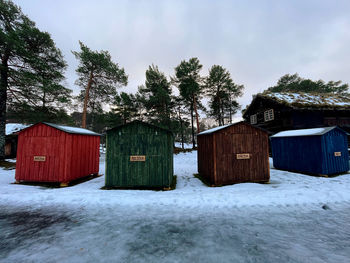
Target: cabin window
point(253, 119)
point(269, 115)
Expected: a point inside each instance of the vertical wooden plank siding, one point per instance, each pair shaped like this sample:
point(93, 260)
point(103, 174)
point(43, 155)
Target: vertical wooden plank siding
point(206, 157)
point(298, 154)
point(139, 139)
point(85, 155)
point(226, 168)
point(41, 140)
point(242, 139)
point(335, 141)
point(312, 154)
point(67, 156)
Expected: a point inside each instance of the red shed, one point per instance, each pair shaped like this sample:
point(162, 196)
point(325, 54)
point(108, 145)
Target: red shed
point(55, 153)
point(234, 153)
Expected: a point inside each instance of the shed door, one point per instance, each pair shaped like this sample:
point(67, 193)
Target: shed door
point(42, 159)
point(233, 164)
point(148, 173)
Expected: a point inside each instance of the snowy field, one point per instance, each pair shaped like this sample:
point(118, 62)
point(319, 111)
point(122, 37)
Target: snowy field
point(295, 218)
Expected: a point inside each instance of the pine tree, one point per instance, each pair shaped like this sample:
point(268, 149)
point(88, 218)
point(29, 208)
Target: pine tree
point(98, 75)
point(43, 97)
point(294, 83)
point(189, 83)
point(181, 123)
point(222, 92)
point(231, 105)
point(31, 66)
point(156, 97)
point(126, 105)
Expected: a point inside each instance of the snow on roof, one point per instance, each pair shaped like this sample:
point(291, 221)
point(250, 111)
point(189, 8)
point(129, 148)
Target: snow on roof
point(325, 100)
point(228, 125)
point(70, 129)
point(214, 129)
point(14, 127)
point(304, 132)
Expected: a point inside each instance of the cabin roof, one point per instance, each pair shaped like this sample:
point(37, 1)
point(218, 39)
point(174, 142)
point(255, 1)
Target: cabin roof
point(213, 130)
point(307, 99)
point(305, 132)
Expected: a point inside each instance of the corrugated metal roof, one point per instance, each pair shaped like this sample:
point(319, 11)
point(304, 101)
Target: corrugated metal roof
point(74, 130)
point(304, 132)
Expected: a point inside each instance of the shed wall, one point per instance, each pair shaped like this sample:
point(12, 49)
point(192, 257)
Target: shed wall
point(240, 139)
point(334, 141)
point(83, 151)
point(299, 154)
point(41, 140)
point(206, 157)
point(139, 139)
point(311, 154)
point(217, 155)
point(67, 156)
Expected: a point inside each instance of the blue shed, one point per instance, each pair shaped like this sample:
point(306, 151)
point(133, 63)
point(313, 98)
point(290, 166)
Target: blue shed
point(318, 151)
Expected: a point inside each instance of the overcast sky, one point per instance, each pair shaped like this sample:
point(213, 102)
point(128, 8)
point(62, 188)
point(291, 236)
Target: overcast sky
point(257, 41)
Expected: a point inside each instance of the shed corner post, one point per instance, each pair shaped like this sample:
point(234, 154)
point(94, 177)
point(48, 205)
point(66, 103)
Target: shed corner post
point(106, 158)
point(269, 144)
point(198, 158)
point(214, 158)
point(172, 160)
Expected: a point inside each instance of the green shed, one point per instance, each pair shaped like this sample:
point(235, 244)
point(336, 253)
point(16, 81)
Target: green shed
point(139, 155)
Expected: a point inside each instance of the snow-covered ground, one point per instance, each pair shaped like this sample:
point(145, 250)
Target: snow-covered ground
point(186, 145)
point(295, 218)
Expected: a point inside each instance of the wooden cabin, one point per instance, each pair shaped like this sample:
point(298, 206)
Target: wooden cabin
point(317, 151)
point(139, 155)
point(55, 153)
point(277, 112)
point(11, 138)
point(233, 153)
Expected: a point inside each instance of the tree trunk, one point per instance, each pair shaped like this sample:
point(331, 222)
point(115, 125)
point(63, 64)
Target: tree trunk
point(230, 110)
point(219, 114)
point(3, 99)
point(196, 112)
point(222, 115)
point(192, 126)
point(181, 129)
point(44, 100)
point(182, 135)
point(86, 100)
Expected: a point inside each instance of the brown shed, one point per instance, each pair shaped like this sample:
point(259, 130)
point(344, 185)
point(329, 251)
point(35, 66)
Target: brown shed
point(234, 153)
